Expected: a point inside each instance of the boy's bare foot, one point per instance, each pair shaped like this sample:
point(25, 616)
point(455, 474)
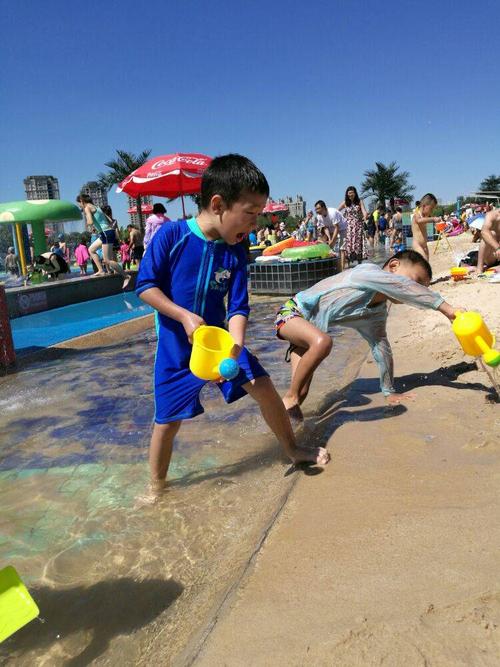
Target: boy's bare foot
point(396, 399)
point(100, 273)
point(153, 495)
point(296, 415)
point(317, 455)
point(126, 282)
point(293, 409)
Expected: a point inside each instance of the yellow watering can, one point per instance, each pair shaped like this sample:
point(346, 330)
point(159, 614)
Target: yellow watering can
point(475, 337)
point(17, 607)
point(211, 354)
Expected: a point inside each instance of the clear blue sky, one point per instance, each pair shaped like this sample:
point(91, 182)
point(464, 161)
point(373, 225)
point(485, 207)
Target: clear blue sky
point(314, 92)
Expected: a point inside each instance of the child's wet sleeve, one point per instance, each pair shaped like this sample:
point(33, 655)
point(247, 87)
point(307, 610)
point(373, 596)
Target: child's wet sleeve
point(155, 264)
point(374, 332)
point(397, 288)
point(237, 296)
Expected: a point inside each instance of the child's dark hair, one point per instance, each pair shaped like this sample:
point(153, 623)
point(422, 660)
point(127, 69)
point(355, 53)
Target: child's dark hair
point(429, 198)
point(84, 199)
point(229, 176)
point(413, 257)
point(159, 208)
point(347, 199)
point(321, 203)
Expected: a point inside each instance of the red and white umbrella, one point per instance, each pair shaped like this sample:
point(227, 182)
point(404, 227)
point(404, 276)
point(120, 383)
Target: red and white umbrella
point(146, 208)
point(274, 207)
point(167, 176)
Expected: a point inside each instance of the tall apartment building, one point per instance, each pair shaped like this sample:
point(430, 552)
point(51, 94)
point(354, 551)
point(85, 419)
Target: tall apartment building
point(41, 187)
point(146, 206)
point(296, 207)
point(96, 192)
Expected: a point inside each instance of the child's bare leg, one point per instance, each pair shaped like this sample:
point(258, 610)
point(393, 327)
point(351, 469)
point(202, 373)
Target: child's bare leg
point(316, 346)
point(95, 257)
point(342, 260)
point(160, 452)
point(421, 247)
point(276, 417)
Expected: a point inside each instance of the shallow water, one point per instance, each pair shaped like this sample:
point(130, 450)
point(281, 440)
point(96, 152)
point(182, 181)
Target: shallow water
point(117, 582)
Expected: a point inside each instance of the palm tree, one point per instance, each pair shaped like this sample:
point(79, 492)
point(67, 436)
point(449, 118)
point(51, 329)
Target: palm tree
point(119, 168)
point(490, 184)
point(386, 182)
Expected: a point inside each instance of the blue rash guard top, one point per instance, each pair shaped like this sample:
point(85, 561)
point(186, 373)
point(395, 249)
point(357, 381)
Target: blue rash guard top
point(196, 274)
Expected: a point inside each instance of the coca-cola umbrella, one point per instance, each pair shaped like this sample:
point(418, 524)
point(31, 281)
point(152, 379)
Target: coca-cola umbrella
point(274, 207)
point(169, 176)
point(147, 209)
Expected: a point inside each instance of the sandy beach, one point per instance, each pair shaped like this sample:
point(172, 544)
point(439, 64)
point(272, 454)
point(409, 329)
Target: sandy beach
point(390, 556)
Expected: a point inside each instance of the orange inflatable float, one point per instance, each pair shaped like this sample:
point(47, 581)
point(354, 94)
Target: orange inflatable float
point(278, 248)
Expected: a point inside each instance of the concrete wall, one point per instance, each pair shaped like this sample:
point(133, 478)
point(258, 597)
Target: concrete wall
point(36, 298)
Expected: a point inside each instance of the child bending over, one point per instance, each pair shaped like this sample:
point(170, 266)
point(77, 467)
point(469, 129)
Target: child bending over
point(355, 298)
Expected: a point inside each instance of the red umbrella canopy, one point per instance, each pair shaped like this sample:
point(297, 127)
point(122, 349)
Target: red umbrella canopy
point(274, 207)
point(146, 208)
point(167, 176)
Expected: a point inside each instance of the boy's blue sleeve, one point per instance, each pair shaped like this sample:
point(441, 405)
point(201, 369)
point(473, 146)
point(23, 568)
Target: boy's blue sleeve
point(237, 297)
point(374, 332)
point(155, 265)
point(398, 288)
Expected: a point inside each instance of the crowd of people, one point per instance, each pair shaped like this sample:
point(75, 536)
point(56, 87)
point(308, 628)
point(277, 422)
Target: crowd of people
point(103, 247)
point(350, 230)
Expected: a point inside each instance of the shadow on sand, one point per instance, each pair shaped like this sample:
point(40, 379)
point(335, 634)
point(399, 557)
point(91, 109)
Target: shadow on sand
point(107, 609)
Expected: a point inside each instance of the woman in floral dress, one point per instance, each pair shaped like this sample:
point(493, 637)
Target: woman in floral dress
point(354, 212)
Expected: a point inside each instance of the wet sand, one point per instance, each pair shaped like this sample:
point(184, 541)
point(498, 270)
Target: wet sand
point(118, 582)
point(391, 556)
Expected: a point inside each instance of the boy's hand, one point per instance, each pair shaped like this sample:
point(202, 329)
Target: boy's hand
point(396, 399)
point(191, 322)
point(450, 311)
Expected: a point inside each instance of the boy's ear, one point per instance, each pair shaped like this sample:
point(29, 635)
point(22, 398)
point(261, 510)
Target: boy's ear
point(217, 204)
point(394, 265)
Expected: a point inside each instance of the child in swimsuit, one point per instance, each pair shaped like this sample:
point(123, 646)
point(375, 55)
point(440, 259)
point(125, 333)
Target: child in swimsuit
point(421, 217)
point(357, 299)
point(188, 270)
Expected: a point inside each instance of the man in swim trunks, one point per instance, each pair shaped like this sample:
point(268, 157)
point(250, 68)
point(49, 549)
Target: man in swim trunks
point(136, 244)
point(489, 246)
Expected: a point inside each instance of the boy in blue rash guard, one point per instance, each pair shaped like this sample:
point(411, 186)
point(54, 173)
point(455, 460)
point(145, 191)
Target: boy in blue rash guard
point(188, 269)
point(357, 299)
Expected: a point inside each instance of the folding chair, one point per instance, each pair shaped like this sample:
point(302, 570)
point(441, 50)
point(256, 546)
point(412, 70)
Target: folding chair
point(442, 237)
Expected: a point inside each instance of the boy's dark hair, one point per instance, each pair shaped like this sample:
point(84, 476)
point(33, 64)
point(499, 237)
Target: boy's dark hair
point(84, 199)
point(321, 203)
point(130, 226)
point(229, 176)
point(417, 203)
point(399, 209)
point(429, 198)
point(413, 257)
point(159, 208)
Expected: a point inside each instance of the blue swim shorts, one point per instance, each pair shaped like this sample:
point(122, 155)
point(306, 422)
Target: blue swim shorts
point(177, 391)
point(108, 236)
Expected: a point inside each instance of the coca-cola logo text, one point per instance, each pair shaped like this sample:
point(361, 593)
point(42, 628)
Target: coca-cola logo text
point(196, 161)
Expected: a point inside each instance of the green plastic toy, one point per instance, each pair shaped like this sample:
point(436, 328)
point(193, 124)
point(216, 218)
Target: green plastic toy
point(17, 607)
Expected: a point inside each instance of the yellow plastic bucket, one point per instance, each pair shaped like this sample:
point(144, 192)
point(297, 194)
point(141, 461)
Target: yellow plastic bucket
point(211, 345)
point(17, 607)
point(475, 337)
